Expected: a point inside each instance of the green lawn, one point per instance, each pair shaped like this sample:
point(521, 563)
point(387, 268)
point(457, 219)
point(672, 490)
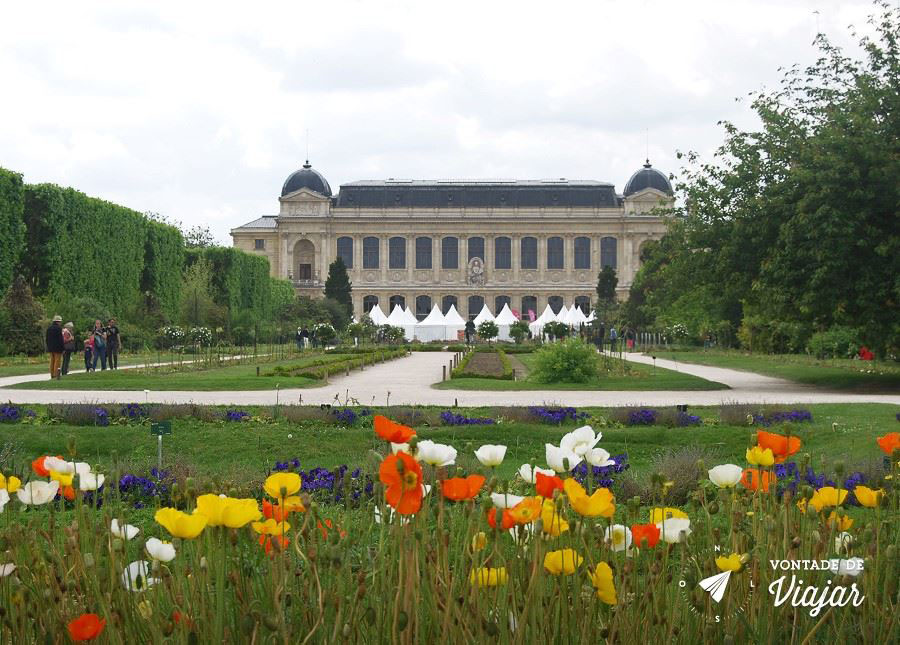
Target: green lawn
point(639, 377)
point(24, 365)
point(868, 377)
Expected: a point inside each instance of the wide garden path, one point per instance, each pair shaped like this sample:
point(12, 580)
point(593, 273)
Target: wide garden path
point(408, 381)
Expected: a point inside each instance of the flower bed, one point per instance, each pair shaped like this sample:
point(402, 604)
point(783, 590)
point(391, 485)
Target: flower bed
point(449, 418)
point(556, 416)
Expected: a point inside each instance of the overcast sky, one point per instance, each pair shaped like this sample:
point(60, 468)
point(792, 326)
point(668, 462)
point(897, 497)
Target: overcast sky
point(199, 110)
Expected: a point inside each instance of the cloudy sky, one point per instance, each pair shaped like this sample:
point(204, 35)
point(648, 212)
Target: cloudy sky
point(199, 110)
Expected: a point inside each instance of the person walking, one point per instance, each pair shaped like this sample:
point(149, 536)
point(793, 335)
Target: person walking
point(113, 341)
point(88, 352)
point(55, 345)
point(470, 331)
point(99, 338)
point(68, 346)
point(612, 338)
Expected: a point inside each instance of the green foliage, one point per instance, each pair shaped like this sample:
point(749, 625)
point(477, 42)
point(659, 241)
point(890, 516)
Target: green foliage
point(20, 324)
point(197, 306)
point(12, 224)
point(567, 361)
point(556, 329)
point(488, 330)
point(519, 331)
point(392, 334)
point(837, 342)
point(338, 286)
point(607, 281)
point(163, 260)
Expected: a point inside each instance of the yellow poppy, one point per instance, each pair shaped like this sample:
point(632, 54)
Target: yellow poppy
point(840, 523)
point(868, 497)
point(729, 562)
point(479, 541)
point(11, 484)
point(827, 496)
point(562, 562)
point(488, 577)
point(602, 579)
point(760, 456)
point(228, 511)
point(271, 527)
point(657, 515)
point(64, 479)
point(280, 485)
point(180, 524)
point(599, 504)
point(552, 521)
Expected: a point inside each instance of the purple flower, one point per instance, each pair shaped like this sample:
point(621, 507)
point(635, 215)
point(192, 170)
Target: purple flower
point(792, 416)
point(448, 418)
point(642, 417)
point(556, 416)
point(236, 415)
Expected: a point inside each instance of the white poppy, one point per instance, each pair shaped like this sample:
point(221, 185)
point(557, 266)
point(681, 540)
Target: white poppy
point(81, 467)
point(6, 569)
point(842, 542)
point(598, 457)
point(435, 454)
point(726, 475)
point(399, 447)
point(90, 481)
point(530, 474)
point(124, 531)
point(159, 550)
point(38, 492)
point(580, 440)
point(4, 498)
point(562, 461)
point(850, 567)
point(426, 488)
point(618, 537)
point(136, 576)
point(59, 465)
point(505, 500)
point(491, 455)
point(674, 529)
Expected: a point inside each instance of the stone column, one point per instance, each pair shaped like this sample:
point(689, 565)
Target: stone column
point(283, 261)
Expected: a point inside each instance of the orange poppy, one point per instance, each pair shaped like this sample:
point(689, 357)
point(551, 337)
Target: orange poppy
point(461, 488)
point(391, 431)
point(38, 466)
point(278, 512)
point(782, 447)
point(329, 525)
point(751, 479)
point(546, 484)
point(889, 442)
point(181, 619)
point(645, 532)
point(86, 627)
point(526, 511)
point(266, 541)
point(403, 477)
point(505, 518)
point(68, 492)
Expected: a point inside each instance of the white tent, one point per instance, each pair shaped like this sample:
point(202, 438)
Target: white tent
point(591, 317)
point(565, 315)
point(483, 315)
point(577, 317)
point(546, 316)
point(433, 327)
point(504, 319)
point(410, 324)
point(377, 316)
point(454, 323)
point(398, 319)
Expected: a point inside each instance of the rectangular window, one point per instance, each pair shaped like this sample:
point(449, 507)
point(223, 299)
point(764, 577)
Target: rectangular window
point(555, 253)
point(370, 253)
point(423, 252)
point(397, 253)
point(259, 245)
point(529, 253)
point(502, 253)
point(476, 248)
point(582, 253)
point(449, 253)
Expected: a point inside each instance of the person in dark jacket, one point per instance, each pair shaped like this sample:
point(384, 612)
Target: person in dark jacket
point(113, 341)
point(68, 332)
point(55, 346)
point(99, 334)
point(470, 331)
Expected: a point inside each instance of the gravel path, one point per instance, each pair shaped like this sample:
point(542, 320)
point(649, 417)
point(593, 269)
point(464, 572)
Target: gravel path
point(408, 381)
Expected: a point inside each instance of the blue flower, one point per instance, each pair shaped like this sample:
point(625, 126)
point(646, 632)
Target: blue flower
point(448, 418)
point(642, 417)
point(236, 415)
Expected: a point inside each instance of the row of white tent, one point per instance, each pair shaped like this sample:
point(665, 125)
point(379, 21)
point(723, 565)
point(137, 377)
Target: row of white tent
point(438, 326)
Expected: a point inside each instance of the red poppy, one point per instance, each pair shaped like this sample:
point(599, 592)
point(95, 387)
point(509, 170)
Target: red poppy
point(507, 521)
point(751, 479)
point(86, 627)
point(68, 492)
point(460, 488)
point(889, 442)
point(180, 619)
point(278, 512)
point(391, 431)
point(648, 533)
point(266, 541)
point(546, 484)
point(782, 447)
point(403, 477)
point(38, 466)
point(329, 525)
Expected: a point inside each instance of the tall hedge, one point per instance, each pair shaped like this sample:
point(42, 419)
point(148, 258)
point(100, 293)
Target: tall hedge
point(163, 262)
point(240, 281)
point(12, 224)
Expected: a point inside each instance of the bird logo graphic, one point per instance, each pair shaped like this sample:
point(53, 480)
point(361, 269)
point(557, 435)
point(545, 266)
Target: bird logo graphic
point(716, 585)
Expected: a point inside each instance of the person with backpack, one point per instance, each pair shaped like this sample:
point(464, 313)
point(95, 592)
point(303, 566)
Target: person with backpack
point(68, 346)
point(55, 345)
point(99, 338)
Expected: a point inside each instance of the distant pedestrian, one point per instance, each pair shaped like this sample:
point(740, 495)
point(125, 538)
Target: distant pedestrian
point(99, 337)
point(299, 339)
point(304, 337)
point(113, 342)
point(88, 353)
point(612, 338)
point(68, 346)
point(55, 346)
point(470, 331)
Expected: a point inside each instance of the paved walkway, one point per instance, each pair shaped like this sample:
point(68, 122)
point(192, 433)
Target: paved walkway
point(408, 381)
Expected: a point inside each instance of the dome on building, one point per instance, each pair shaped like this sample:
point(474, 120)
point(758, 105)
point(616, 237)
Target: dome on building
point(306, 177)
point(648, 177)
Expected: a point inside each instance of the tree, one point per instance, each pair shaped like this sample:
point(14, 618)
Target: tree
point(197, 306)
point(338, 287)
point(607, 281)
point(20, 320)
point(198, 237)
point(488, 330)
point(12, 224)
point(518, 331)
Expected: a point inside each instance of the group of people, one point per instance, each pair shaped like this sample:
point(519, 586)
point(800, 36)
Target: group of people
point(101, 344)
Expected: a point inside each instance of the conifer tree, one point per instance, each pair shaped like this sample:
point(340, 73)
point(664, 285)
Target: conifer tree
point(337, 286)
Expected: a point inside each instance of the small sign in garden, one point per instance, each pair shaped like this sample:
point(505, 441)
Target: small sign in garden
point(159, 428)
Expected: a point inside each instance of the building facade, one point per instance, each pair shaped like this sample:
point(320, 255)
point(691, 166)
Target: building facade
point(467, 243)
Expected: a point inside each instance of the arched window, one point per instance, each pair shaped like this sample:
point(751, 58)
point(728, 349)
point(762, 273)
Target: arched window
point(582, 253)
point(502, 253)
point(370, 253)
point(529, 253)
point(449, 253)
point(476, 248)
point(608, 252)
point(423, 307)
point(529, 304)
point(499, 301)
point(447, 302)
point(556, 303)
point(423, 252)
point(583, 303)
point(369, 303)
point(556, 254)
point(345, 251)
point(396, 300)
point(397, 253)
point(476, 304)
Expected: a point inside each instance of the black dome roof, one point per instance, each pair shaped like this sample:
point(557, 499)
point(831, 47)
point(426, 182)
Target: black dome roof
point(306, 177)
point(648, 177)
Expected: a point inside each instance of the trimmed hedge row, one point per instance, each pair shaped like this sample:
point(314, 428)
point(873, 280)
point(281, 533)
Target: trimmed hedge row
point(12, 225)
point(323, 368)
point(460, 372)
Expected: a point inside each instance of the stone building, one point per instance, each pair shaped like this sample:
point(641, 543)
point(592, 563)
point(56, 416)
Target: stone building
point(468, 243)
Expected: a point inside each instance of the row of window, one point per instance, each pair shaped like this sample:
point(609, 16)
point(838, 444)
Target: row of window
point(475, 304)
point(528, 252)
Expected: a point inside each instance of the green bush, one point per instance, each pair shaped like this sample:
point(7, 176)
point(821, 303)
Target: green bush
point(568, 361)
point(556, 329)
point(21, 329)
point(488, 330)
point(837, 342)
